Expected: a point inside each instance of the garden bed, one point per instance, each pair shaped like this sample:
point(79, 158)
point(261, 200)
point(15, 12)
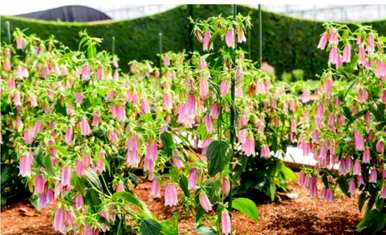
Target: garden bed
point(301, 215)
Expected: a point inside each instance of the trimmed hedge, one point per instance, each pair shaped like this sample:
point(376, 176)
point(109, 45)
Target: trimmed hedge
point(288, 43)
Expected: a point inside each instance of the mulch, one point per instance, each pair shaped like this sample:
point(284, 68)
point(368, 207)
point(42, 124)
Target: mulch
point(302, 214)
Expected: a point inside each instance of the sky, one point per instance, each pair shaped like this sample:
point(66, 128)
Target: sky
point(13, 7)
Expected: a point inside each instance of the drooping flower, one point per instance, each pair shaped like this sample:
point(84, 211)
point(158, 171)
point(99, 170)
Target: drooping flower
point(155, 191)
point(362, 55)
point(265, 152)
point(120, 187)
point(166, 60)
point(177, 162)
point(359, 141)
point(78, 201)
point(208, 123)
point(346, 57)
point(334, 37)
point(383, 192)
point(132, 151)
point(204, 202)
point(214, 111)
point(225, 185)
point(366, 156)
point(230, 38)
point(204, 90)
point(86, 72)
point(79, 98)
point(145, 106)
point(192, 179)
point(333, 56)
point(68, 137)
point(363, 95)
point(113, 136)
point(96, 119)
point(373, 176)
point(357, 168)
point(206, 43)
point(79, 168)
point(248, 147)
point(319, 114)
point(226, 224)
point(323, 41)
point(29, 135)
point(25, 164)
point(59, 224)
point(33, 101)
point(202, 64)
point(380, 147)
point(168, 102)
point(240, 35)
point(84, 127)
point(352, 186)
point(371, 43)
point(224, 87)
point(17, 99)
point(151, 150)
point(329, 85)
point(20, 42)
point(118, 112)
point(39, 184)
point(65, 179)
point(100, 73)
point(171, 195)
point(381, 70)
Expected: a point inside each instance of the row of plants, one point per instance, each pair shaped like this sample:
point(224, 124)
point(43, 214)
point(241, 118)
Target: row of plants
point(81, 130)
point(208, 130)
point(287, 42)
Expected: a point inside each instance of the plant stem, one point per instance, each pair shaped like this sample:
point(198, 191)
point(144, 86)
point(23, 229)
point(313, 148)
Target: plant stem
point(232, 124)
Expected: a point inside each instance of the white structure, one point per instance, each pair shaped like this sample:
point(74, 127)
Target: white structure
point(123, 9)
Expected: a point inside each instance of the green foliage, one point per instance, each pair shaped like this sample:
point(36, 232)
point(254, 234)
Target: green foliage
point(218, 156)
point(247, 207)
point(288, 42)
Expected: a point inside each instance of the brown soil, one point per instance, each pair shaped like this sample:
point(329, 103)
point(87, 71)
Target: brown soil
point(303, 215)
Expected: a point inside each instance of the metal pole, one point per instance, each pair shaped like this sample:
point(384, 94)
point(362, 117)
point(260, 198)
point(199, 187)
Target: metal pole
point(8, 25)
point(232, 121)
point(260, 37)
point(113, 45)
point(160, 52)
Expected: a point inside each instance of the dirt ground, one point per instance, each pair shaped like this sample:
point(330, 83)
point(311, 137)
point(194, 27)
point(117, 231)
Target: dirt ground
point(302, 215)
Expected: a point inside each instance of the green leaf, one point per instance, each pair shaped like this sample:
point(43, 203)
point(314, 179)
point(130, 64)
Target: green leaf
point(247, 207)
point(170, 226)
point(205, 231)
point(184, 185)
point(218, 156)
point(168, 144)
point(373, 223)
point(361, 200)
point(150, 227)
point(130, 197)
point(287, 173)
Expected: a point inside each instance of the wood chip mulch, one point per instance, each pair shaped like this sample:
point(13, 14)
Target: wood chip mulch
point(302, 214)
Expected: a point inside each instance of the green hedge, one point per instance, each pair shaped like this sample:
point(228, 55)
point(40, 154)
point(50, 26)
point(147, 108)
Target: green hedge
point(288, 43)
